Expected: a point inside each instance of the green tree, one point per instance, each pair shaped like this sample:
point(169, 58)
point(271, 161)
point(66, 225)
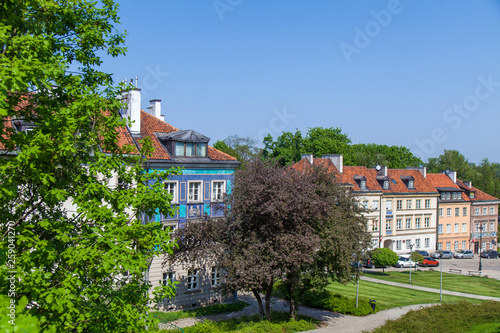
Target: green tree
point(452, 160)
point(384, 257)
point(244, 149)
point(67, 236)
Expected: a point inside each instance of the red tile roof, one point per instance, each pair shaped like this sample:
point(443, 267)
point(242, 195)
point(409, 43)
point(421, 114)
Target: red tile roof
point(478, 195)
point(441, 180)
point(396, 184)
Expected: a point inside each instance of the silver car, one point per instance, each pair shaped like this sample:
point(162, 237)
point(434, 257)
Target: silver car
point(463, 254)
point(441, 253)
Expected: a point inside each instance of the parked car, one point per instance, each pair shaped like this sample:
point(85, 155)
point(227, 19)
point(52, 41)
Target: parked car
point(405, 262)
point(463, 254)
point(368, 263)
point(490, 254)
point(424, 253)
point(429, 262)
point(442, 253)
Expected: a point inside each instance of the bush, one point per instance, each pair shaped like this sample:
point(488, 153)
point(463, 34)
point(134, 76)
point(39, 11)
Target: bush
point(324, 299)
point(417, 257)
point(384, 257)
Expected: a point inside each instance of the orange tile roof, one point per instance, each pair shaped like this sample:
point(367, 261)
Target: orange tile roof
point(397, 185)
point(478, 195)
point(441, 180)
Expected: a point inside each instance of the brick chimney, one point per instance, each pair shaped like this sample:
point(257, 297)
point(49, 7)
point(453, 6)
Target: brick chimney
point(337, 160)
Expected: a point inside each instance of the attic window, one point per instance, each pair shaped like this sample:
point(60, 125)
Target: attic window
point(361, 181)
point(409, 181)
point(386, 184)
point(471, 195)
point(190, 149)
point(410, 184)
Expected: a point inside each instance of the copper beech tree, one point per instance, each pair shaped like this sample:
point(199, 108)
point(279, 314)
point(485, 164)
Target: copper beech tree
point(279, 224)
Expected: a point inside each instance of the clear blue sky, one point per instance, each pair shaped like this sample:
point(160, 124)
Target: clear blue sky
point(421, 74)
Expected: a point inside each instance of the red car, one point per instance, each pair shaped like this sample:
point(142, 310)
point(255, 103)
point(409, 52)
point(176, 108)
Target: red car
point(429, 262)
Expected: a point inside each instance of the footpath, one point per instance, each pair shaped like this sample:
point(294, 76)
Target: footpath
point(334, 322)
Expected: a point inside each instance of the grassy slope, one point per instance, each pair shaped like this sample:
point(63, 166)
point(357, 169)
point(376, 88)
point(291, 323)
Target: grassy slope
point(202, 311)
point(454, 282)
point(390, 297)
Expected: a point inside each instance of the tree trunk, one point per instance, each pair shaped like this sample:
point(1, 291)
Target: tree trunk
point(292, 302)
point(268, 299)
point(259, 302)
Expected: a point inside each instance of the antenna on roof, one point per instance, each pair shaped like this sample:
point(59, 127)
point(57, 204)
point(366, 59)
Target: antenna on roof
point(136, 81)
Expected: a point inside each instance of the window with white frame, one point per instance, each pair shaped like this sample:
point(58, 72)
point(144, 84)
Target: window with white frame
point(457, 211)
point(448, 228)
point(418, 203)
point(440, 212)
point(448, 211)
point(171, 188)
point(464, 211)
point(483, 246)
point(168, 278)
point(440, 229)
point(408, 204)
point(388, 205)
point(476, 227)
point(386, 184)
point(427, 203)
point(192, 279)
point(485, 225)
point(427, 242)
point(399, 222)
point(454, 196)
point(215, 276)
point(485, 211)
point(455, 245)
point(464, 227)
point(374, 242)
point(218, 190)
point(417, 243)
point(195, 194)
point(492, 226)
point(408, 224)
point(399, 204)
point(440, 246)
point(408, 243)
point(478, 211)
point(388, 224)
point(362, 184)
point(375, 225)
point(365, 204)
point(427, 222)
point(456, 228)
point(464, 245)
point(417, 222)
point(492, 210)
point(375, 205)
point(448, 246)
point(398, 245)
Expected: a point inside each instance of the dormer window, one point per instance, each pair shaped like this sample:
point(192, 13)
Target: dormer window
point(409, 182)
point(190, 149)
point(386, 184)
point(361, 181)
point(471, 195)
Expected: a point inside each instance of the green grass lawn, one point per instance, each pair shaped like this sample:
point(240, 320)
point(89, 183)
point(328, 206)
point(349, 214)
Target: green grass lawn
point(390, 297)
point(449, 318)
point(201, 311)
point(453, 282)
point(279, 323)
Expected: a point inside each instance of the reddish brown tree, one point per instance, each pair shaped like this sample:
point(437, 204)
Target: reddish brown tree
point(278, 223)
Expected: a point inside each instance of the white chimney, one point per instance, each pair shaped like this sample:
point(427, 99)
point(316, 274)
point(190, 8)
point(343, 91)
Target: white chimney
point(452, 175)
point(468, 183)
point(337, 160)
point(156, 108)
point(308, 157)
point(134, 110)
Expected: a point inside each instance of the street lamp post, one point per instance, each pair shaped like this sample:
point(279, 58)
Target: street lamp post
point(411, 252)
point(480, 245)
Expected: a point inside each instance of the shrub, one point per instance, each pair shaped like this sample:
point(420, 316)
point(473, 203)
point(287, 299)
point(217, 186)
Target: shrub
point(384, 257)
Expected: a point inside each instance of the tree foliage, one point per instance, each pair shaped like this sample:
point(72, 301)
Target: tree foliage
point(384, 257)
point(279, 224)
point(289, 147)
point(67, 236)
point(244, 149)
